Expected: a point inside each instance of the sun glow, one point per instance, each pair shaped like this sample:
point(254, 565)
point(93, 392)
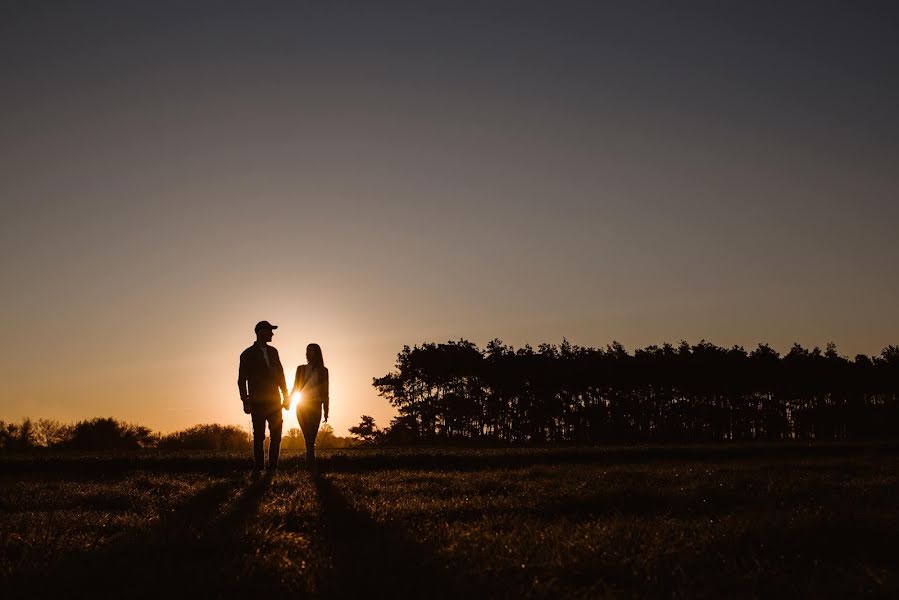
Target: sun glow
point(295, 399)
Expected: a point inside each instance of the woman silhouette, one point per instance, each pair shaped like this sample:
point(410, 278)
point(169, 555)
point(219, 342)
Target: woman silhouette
point(312, 383)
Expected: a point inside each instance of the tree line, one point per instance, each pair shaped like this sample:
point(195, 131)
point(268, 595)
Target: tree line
point(111, 434)
point(685, 393)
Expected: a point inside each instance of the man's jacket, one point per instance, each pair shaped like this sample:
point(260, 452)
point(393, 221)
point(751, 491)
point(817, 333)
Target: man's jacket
point(259, 380)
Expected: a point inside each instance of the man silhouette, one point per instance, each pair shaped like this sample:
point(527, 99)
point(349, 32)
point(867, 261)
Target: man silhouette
point(259, 378)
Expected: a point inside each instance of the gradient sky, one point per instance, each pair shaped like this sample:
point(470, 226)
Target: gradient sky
point(368, 175)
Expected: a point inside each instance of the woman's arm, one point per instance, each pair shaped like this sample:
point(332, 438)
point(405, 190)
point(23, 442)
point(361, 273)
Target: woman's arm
point(325, 393)
point(296, 381)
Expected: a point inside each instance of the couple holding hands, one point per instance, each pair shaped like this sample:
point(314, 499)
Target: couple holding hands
point(260, 380)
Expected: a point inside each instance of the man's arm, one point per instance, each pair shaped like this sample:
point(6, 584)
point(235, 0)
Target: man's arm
point(242, 379)
point(282, 383)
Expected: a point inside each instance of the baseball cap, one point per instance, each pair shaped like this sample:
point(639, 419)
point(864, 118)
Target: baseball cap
point(261, 325)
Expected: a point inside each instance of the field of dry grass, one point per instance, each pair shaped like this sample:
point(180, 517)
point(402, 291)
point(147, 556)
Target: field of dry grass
point(622, 522)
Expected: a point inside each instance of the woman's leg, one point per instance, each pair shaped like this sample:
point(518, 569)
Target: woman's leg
point(309, 423)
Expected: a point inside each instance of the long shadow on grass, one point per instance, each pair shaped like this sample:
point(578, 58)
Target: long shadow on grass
point(375, 559)
point(190, 552)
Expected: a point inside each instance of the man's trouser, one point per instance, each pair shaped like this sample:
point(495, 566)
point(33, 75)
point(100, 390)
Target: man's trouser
point(274, 427)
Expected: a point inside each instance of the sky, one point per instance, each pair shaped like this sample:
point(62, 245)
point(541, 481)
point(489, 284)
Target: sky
point(368, 175)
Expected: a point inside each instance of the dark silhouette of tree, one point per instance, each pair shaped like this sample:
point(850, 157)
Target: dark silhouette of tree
point(18, 437)
point(366, 430)
point(207, 437)
point(293, 439)
point(50, 433)
point(43, 433)
point(685, 393)
point(109, 434)
point(326, 438)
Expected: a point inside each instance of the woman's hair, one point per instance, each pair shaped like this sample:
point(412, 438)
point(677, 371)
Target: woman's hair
point(317, 358)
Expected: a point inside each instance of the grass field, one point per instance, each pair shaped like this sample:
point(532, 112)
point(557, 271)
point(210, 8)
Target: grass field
point(715, 521)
